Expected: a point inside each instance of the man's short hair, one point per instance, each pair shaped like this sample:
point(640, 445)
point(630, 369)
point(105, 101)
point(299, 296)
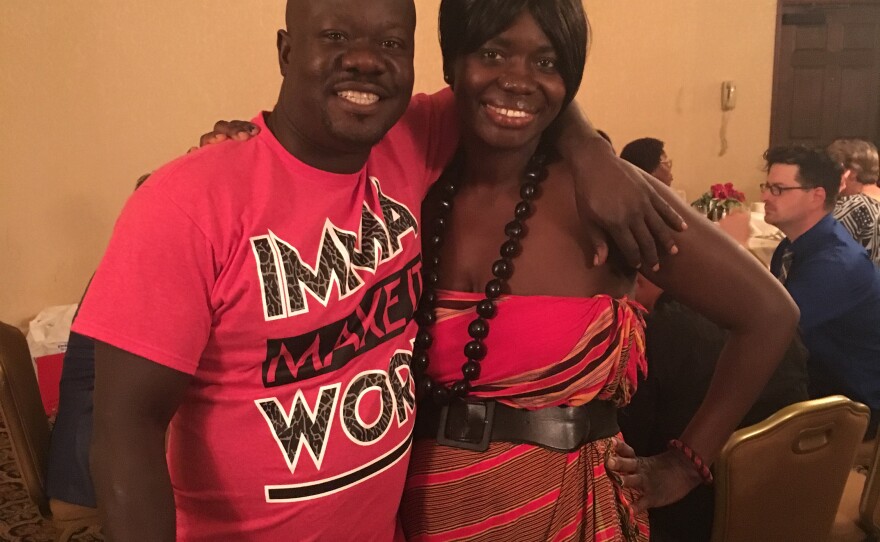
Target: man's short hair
point(858, 155)
point(644, 153)
point(815, 169)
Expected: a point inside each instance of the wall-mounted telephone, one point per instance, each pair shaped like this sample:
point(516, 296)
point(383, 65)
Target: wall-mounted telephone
point(728, 95)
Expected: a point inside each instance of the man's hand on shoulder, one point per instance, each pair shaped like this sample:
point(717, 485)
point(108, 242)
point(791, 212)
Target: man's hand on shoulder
point(619, 198)
point(237, 130)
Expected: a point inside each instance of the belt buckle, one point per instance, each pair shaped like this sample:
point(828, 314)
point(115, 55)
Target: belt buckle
point(466, 424)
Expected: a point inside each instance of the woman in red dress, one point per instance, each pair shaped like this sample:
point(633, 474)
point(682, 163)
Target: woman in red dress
point(526, 349)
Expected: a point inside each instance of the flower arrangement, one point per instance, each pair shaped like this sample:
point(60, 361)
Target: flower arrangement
point(719, 200)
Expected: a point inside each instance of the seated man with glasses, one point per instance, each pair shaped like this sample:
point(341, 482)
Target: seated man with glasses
point(829, 275)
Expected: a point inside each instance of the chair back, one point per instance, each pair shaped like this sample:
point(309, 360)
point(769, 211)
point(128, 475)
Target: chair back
point(869, 505)
point(23, 412)
point(781, 479)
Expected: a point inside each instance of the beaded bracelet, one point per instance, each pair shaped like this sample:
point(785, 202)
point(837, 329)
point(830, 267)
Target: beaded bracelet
point(695, 460)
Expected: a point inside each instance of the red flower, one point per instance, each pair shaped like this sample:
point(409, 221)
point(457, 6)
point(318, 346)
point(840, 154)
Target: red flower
point(726, 191)
point(719, 191)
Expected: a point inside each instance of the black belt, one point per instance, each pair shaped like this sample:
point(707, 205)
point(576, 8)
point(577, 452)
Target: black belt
point(472, 424)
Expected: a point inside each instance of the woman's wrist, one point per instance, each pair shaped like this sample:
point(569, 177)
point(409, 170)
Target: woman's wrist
point(698, 468)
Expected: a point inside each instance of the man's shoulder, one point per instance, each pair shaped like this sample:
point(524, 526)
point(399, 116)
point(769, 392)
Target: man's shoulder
point(212, 164)
point(835, 255)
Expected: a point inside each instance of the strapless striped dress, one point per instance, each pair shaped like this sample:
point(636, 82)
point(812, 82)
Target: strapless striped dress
point(543, 351)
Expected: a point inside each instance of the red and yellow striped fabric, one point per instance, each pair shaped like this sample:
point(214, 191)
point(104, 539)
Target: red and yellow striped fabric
point(542, 351)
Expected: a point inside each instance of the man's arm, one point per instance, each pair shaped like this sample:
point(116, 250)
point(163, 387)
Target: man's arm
point(135, 400)
point(616, 195)
point(611, 192)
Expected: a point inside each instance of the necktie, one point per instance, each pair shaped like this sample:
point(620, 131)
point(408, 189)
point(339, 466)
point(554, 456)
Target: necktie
point(787, 257)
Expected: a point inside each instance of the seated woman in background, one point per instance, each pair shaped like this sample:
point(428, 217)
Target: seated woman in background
point(648, 155)
point(524, 356)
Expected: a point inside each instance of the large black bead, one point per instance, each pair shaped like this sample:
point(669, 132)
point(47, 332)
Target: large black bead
point(460, 388)
point(441, 394)
point(432, 279)
point(537, 162)
point(428, 298)
point(510, 248)
point(436, 241)
point(471, 370)
point(419, 361)
point(425, 317)
point(475, 350)
point(434, 261)
point(445, 206)
point(533, 174)
point(425, 387)
point(423, 340)
point(529, 190)
point(494, 288)
point(449, 189)
point(478, 329)
point(439, 224)
point(514, 229)
point(502, 269)
point(523, 210)
point(486, 309)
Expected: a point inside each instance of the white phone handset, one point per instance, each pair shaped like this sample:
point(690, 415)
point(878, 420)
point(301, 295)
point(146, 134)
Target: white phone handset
point(728, 95)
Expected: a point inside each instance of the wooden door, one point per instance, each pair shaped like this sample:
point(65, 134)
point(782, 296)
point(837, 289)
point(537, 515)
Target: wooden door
point(827, 73)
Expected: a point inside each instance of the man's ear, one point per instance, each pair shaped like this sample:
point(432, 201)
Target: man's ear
point(820, 194)
point(283, 51)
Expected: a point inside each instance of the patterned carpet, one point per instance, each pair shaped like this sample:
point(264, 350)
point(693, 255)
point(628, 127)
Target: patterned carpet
point(20, 521)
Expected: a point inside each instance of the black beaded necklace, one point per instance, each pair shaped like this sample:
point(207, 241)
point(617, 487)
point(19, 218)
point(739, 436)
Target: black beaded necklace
point(502, 269)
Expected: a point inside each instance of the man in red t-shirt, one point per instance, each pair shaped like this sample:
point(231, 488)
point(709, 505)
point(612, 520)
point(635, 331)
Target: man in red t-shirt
point(261, 293)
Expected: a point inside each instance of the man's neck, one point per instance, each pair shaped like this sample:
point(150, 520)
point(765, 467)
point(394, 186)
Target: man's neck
point(793, 231)
point(309, 152)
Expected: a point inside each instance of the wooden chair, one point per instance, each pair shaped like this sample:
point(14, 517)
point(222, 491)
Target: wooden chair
point(28, 429)
point(869, 505)
point(23, 410)
point(782, 479)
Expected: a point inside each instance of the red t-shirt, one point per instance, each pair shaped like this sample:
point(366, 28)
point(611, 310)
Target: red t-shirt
point(288, 293)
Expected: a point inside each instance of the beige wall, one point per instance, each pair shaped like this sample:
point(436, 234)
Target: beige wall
point(94, 94)
point(656, 70)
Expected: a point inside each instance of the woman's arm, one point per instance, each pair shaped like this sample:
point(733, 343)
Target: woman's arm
point(719, 279)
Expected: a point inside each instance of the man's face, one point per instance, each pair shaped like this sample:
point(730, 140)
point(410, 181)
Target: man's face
point(790, 207)
point(348, 70)
point(663, 171)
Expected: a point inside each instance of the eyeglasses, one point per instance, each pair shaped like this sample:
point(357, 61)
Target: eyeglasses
point(667, 163)
point(778, 189)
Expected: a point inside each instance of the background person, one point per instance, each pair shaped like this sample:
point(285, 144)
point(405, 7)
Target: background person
point(827, 273)
point(648, 154)
point(858, 207)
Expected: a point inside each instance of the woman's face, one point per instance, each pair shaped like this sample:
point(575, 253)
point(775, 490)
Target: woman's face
point(663, 171)
point(509, 90)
